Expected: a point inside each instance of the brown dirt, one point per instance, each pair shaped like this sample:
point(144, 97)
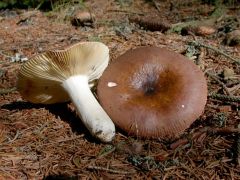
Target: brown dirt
point(38, 141)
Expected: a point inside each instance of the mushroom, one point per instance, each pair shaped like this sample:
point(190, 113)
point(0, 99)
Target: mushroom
point(58, 76)
point(157, 93)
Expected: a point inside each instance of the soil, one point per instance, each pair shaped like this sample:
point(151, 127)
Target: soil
point(50, 142)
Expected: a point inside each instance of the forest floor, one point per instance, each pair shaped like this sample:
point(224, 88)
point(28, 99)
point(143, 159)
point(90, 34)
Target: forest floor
point(38, 141)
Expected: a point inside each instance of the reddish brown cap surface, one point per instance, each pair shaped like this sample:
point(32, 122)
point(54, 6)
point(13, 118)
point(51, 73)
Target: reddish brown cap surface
point(153, 92)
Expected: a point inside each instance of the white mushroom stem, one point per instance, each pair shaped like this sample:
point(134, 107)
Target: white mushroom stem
point(93, 116)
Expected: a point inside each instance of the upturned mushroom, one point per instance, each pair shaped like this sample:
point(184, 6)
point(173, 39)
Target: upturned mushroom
point(152, 92)
point(58, 76)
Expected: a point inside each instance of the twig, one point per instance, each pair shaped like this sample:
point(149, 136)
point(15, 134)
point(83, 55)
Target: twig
point(220, 82)
point(236, 147)
point(196, 43)
point(15, 137)
point(179, 142)
point(234, 88)
point(125, 11)
point(225, 97)
point(109, 170)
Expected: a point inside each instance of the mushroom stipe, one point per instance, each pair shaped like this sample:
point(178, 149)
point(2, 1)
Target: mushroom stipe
point(58, 76)
point(159, 93)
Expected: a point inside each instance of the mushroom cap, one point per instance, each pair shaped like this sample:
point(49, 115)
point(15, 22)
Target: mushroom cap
point(152, 92)
point(40, 79)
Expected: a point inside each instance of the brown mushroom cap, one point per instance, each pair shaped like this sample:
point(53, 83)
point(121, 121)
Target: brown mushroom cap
point(152, 92)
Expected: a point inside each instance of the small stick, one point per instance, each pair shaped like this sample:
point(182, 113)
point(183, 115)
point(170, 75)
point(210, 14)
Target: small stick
point(179, 142)
point(15, 137)
point(220, 82)
point(125, 11)
point(234, 88)
point(237, 148)
point(217, 50)
point(225, 97)
point(109, 170)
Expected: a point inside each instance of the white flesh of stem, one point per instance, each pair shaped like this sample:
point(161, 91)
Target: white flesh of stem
point(92, 114)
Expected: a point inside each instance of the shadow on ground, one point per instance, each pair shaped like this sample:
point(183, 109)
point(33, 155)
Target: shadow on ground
point(60, 177)
point(61, 110)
